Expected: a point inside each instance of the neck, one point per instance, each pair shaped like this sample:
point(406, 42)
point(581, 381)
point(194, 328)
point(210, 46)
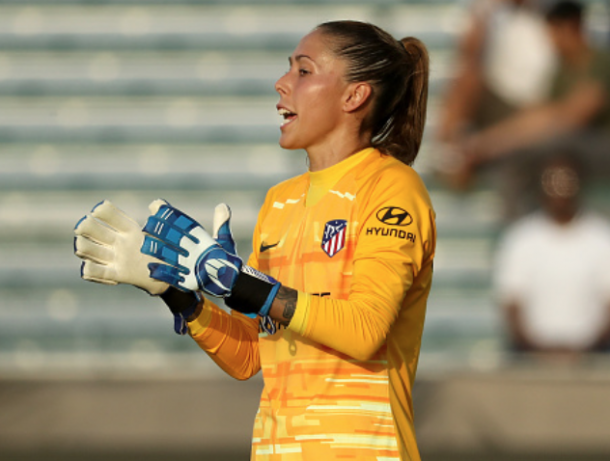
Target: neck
point(327, 154)
point(564, 215)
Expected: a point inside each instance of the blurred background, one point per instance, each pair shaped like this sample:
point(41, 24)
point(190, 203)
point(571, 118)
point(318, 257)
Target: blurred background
point(138, 99)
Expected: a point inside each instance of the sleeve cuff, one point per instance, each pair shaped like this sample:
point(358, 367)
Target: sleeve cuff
point(198, 325)
point(298, 324)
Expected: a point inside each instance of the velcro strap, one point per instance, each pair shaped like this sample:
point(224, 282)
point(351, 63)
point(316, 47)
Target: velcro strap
point(253, 292)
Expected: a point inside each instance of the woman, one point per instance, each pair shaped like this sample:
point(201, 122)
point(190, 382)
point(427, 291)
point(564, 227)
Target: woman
point(344, 253)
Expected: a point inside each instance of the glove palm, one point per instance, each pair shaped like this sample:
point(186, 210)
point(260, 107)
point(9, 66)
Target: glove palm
point(108, 241)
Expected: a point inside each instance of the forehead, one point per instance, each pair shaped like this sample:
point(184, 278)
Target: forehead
point(313, 45)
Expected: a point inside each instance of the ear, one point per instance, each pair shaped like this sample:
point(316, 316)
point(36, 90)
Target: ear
point(356, 96)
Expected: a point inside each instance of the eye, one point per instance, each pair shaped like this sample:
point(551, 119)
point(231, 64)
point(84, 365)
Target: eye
point(303, 72)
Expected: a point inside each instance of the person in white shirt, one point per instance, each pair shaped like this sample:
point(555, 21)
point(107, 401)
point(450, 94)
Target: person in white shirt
point(553, 270)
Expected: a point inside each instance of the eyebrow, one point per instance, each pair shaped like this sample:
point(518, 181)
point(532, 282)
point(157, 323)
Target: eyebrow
point(299, 57)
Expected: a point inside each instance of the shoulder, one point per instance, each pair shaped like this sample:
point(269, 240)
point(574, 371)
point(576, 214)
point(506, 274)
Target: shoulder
point(384, 175)
point(287, 188)
point(596, 224)
point(393, 202)
point(387, 166)
point(526, 229)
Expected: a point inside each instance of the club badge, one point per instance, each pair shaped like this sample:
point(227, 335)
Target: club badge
point(334, 236)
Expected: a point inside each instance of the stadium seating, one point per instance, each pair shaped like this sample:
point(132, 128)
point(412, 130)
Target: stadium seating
point(134, 100)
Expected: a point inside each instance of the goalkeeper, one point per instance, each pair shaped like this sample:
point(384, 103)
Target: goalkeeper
point(331, 303)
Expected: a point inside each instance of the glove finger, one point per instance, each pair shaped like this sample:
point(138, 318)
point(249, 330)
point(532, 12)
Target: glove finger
point(94, 230)
point(116, 218)
point(85, 248)
point(165, 273)
point(99, 273)
point(154, 206)
point(160, 250)
point(164, 231)
point(174, 218)
point(222, 228)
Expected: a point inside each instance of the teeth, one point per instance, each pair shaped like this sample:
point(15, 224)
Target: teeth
point(285, 113)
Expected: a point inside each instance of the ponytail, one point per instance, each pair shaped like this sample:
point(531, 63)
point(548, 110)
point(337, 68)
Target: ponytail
point(405, 127)
point(398, 74)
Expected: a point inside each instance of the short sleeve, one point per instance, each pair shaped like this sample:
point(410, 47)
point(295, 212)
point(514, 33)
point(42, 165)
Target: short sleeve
point(510, 275)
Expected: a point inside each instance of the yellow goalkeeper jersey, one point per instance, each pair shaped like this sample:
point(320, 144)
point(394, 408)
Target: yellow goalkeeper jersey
point(357, 241)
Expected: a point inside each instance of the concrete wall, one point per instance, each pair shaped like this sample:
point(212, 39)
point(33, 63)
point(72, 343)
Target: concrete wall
point(526, 413)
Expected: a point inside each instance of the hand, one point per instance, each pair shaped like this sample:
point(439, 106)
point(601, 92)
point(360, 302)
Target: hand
point(222, 232)
point(108, 241)
point(222, 229)
point(196, 261)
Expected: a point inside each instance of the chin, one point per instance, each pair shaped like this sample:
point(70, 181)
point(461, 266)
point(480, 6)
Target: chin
point(288, 144)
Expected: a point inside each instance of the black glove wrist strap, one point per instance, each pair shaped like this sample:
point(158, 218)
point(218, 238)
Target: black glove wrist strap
point(179, 301)
point(183, 305)
point(250, 294)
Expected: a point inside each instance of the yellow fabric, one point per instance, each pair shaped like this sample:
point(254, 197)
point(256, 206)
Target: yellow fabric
point(299, 320)
point(204, 318)
point(231, 340)
point(320, 182)
point(338, 380)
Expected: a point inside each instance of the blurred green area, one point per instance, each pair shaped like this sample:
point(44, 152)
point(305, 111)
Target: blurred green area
point(134, 100)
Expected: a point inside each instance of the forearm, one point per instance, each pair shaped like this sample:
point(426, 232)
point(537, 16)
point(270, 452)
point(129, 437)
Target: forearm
point(517, 332)
point(602, 342)
point(230, 340)
point(538, 124)
point(284, 305)
point(525, 129)
point(357, 328)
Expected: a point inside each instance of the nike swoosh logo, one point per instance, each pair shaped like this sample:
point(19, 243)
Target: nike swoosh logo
point(267, 247)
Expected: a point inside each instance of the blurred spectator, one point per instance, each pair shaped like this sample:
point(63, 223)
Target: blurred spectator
point(505, 61)
point(578, 100)
point(553, 270)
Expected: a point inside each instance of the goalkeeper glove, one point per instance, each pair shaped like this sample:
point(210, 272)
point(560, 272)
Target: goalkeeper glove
point(195, 261)
point(108, 241)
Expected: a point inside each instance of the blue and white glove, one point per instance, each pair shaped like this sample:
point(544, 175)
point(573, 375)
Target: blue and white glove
point(196, 261)
point(109, 241)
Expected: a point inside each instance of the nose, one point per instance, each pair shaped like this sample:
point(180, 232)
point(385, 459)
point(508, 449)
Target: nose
point(281, 86)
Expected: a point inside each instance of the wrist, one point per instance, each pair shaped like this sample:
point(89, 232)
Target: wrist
point(196, 313)
point(253, 292)
point(185, 305)
point(200, 321)
point(180, 302)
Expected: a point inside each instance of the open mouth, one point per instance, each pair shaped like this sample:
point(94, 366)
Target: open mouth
point(286, 115)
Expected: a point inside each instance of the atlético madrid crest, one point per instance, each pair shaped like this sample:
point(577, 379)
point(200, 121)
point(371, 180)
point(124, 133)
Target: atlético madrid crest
point(334, 236)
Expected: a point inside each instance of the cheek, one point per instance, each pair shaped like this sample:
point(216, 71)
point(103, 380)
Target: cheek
point(323, 100)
